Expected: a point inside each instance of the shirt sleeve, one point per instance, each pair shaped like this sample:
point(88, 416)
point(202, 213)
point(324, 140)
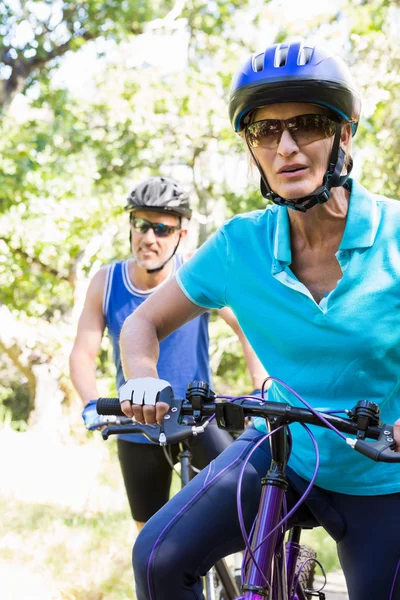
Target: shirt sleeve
point(203, 277)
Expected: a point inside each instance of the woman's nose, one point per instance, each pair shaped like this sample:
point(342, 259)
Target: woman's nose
point(287, 144)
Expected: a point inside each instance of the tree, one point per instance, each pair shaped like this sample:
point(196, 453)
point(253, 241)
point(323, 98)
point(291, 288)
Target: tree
point(375, 54)
point(38, 33)
point(62, 167)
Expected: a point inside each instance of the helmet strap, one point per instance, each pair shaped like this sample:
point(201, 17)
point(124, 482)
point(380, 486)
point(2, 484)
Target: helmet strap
point(332, 178)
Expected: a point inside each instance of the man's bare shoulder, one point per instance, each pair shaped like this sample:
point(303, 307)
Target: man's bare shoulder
point(101, 274)
point(97, 282)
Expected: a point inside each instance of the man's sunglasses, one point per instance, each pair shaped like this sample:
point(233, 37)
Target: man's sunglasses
point(160, 229)
point(304, 129)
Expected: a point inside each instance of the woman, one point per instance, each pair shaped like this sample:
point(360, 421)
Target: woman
point(314, 283)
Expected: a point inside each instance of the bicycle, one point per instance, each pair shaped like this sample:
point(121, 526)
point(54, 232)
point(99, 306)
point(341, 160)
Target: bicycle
point(219, 583)
point(271, 568)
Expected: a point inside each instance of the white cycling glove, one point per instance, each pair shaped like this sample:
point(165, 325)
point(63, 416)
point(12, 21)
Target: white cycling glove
point(146, 390)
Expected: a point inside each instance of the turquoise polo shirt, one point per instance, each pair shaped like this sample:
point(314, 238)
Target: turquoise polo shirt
point(335, 353)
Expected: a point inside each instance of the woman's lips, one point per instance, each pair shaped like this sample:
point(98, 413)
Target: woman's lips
point(298, 172)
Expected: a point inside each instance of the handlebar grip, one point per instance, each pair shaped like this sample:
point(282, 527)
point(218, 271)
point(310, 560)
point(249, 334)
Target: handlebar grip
point(380, 453)
point(383, 450)
point(109, 406)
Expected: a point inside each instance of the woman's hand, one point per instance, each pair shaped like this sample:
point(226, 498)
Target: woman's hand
point(146, 399)
point(396, 433)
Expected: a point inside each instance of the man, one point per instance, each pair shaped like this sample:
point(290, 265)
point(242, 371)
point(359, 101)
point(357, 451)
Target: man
point(158, 212)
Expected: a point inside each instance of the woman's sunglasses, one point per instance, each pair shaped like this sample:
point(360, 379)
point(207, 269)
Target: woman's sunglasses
point(304, 129)
point(160, 229)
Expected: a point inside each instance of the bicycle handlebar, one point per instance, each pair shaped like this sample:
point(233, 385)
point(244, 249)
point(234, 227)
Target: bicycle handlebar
point(169, 432)
point(231, 414)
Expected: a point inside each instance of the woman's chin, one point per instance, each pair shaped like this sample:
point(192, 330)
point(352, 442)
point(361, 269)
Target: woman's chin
point(291, 191)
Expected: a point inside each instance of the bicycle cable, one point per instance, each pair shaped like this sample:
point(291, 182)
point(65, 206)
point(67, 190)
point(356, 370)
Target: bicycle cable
point(315, 560)
point(170, 462)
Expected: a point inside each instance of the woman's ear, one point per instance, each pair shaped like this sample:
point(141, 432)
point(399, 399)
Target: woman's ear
point(346, 140)
point(346, 136)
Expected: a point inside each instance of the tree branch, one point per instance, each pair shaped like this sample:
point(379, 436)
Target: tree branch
point(92, 248)
point(22, 67)
point(169, 18)
point(5, 57)
point(38, 61)
point(9, 344)
point(14, 354)
point(34, 261)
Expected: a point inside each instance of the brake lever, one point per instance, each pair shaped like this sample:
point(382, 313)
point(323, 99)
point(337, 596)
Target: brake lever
point(152, 434)
point(382, 450)
point(171, 431)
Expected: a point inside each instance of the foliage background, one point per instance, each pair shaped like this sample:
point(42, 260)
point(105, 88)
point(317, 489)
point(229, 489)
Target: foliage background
point(94, 96)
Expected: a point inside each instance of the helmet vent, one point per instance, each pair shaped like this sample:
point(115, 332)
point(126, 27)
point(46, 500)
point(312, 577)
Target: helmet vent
point(258, 63)
point(305, 55)
point(280, 57)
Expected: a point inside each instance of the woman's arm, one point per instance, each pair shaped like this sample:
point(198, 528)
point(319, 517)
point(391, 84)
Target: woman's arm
point(163, 312)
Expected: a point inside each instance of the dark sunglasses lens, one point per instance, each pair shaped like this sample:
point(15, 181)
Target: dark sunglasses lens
point(310, 128)
point(141, 225)
point(304, 129)
point(162, 230)
point(264, 134)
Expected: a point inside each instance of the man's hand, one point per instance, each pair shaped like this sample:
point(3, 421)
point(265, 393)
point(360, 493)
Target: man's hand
point(146, 399)
point(90, 416)
point(396, 432)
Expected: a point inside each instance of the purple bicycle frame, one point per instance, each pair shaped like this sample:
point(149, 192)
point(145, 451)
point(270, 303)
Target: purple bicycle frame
point(276, 561)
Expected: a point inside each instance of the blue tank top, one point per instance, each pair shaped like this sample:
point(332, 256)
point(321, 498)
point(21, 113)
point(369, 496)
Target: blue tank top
point(184, 354)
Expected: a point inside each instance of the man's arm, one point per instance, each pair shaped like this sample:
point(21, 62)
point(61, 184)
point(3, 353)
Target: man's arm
point(256, 370)
point(82, 361)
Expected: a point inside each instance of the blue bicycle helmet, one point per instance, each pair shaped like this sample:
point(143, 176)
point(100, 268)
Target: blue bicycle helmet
point(298, 72)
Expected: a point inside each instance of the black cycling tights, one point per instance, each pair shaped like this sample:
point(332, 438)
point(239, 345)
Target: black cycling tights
point(147, 474)
point(199, 526)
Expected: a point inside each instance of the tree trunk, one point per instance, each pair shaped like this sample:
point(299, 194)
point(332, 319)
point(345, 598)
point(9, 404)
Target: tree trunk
point(18, 341)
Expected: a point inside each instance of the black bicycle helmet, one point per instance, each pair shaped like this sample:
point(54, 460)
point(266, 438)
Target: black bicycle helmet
point(160, 194)
point(298, 72)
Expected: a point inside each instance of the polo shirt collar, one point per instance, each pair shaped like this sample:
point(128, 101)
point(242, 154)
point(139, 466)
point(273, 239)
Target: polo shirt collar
point(282, 251)
point(360, 230)
point(362, 219)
